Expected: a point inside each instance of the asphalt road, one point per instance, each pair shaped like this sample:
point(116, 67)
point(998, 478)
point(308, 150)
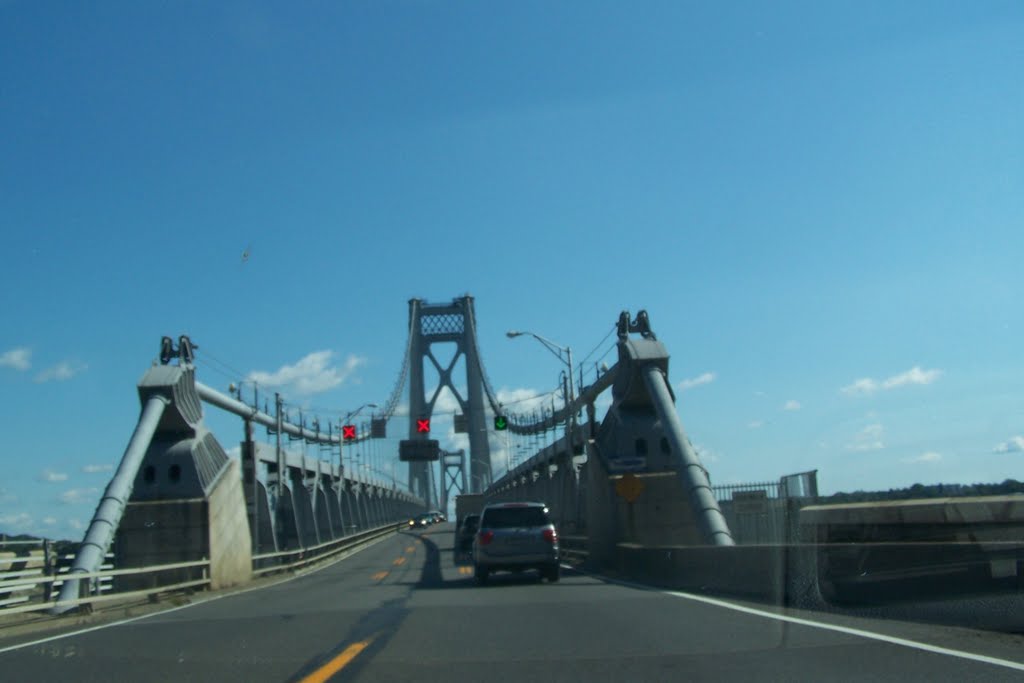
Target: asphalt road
point(401, 610)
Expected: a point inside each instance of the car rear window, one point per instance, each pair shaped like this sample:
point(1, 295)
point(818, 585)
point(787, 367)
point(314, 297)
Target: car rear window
point(502, 518)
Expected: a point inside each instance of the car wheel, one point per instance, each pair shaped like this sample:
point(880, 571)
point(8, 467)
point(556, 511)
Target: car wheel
point(552, 573)
point(481, 575)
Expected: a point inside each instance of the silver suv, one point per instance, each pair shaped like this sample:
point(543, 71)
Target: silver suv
point(515, 537)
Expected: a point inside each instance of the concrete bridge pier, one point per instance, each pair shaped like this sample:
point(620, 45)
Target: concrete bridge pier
point(333, 503)
point(303, 508)
point(321, 509)
point(290, 530)
point(351, 515)
point(187, 500)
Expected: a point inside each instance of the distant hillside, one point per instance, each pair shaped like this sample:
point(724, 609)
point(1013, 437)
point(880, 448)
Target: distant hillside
point(1010, 486)
point(61, 546)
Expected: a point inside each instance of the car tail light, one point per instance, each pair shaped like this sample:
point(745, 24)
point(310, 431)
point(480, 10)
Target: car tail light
point(485, 537)
point(550, 536)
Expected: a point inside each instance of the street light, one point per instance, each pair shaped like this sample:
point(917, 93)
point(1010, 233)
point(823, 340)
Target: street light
point(341, 447)
point(556, 349)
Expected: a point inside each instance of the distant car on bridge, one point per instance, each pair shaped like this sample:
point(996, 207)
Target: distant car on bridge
point(424, 520)
point(515, 537)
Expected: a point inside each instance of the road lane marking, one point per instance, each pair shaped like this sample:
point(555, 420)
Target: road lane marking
point(399, 561)
point(465, 570)
point(411, 549)
point(917, 645)
point(870, 635)
point(338, 663)
point(380, 575)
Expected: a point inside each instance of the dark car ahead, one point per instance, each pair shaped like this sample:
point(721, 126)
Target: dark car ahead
point(423, 520)
point(515, 537)
point(464, 535)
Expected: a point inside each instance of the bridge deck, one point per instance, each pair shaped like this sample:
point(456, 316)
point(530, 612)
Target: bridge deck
point(402, 610)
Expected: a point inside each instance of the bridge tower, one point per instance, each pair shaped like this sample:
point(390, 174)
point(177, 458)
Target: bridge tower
point(431, 324)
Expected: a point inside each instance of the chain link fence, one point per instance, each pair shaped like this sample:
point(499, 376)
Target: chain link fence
point(767, 511)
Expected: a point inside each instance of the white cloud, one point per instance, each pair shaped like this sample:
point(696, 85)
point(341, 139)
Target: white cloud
point(76, 524)
point(312, 374)
point(7, 497)
point(1014, 444)
point(78, 496)
point(706, 378)
point(51, 476)
point(868, 439)
point(446, 401)
point(61, 372)
point(930, 456)
point(915, 375)
point(16, 520)
point(791, 405)
point(49, 521)
point(755, 424)
point(861, 387)
point(18, 359)
point(706, 454)
point(93, 469)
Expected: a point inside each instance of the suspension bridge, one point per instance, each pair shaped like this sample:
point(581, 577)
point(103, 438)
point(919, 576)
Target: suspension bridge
point(628, 493)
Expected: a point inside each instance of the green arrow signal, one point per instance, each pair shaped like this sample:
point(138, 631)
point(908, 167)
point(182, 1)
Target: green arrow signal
point(500, 422)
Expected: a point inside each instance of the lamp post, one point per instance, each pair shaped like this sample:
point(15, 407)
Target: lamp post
point(341, 447)
point(563, 353)
point(570, 418)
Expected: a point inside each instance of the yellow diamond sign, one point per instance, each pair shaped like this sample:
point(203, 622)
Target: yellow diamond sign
point(629, 487)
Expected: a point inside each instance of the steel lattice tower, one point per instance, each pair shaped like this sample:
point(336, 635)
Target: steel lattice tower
point(431, 324)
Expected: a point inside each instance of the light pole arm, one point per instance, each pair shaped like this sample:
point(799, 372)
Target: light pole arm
point(552, 346)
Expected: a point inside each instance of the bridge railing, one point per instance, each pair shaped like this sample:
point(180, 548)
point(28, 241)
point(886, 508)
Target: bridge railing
point(286, 560)
point(33, 588)
point(767, 511)
point(30, 570)
point(92, 591)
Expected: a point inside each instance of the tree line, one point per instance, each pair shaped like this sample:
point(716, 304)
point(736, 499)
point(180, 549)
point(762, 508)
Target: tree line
point(1007, 487)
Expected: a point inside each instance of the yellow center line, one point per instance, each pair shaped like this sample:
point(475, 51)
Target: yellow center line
point(465, 570)
point(380, 575)
point(399, 561)
point(338, 663)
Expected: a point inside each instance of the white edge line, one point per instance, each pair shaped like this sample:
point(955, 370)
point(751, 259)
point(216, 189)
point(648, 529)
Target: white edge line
point(212, 598)
point(903, 642)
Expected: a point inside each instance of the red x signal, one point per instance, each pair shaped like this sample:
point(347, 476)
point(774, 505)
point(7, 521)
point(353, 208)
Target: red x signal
point(423, 426)
point(348, 432)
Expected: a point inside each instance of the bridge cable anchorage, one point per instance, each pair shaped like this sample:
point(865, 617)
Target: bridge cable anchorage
point(113, 503)
point(692, 475)
point(184, 352)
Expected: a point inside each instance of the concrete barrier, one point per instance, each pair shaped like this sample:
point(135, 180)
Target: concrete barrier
point(816, 575)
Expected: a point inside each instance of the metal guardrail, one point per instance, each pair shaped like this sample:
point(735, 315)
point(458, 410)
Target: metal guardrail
point(24, 578)
point(108, 574)
point(12, 582)
point(321, 551)
point(573, 546)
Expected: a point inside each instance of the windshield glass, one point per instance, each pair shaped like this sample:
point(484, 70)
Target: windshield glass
point(731, 289)
point(501, 518)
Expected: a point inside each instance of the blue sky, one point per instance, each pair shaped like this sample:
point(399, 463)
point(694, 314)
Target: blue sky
point(819, 204)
